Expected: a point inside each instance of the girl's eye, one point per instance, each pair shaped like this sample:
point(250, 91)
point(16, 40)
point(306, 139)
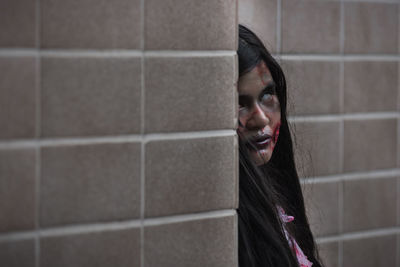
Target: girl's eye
point(244, 102)
point(267, 99)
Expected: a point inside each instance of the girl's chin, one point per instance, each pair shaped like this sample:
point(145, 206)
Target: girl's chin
point(260, 157)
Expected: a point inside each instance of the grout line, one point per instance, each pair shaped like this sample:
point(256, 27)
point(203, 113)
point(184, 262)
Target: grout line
point(398, 178)
point(398, 141)
point(342, 28)
point(341, 132)
point(7, 52)
point(38, 97)
point(6, 144)
point(349, 116)
point(352, 176)
point(23, 143)
point(142, 132)
point(90, 53)
point(339, 57)
point(189, 135)
point(398, 119)
point(342, 119)
point(142, 156)
point(173, 53)
point(113, 226)
point(18, 236)
point(341, 87)
point(142, 97)
point(340, 253)
point(37, 204)
point(373, 1)
point(341, 205)
point(278, 26)
point(142, 201)
point(359, 235)
point(38, 129)
point(69, 230)
point(122, 225)
point(398, 199)
point(90, 228)
point(189, 217)
point(397, 250)
point(14, 52)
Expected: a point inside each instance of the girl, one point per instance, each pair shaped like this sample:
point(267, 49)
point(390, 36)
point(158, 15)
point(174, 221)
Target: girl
point(273, 227)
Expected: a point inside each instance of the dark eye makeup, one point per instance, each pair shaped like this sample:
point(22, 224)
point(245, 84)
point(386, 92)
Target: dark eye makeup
point(265, 94)
point(245, 100)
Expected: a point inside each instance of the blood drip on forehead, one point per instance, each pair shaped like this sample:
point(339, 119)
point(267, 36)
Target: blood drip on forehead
point(263, 73)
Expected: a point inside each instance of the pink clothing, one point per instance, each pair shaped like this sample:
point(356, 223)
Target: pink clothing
point(301, 258)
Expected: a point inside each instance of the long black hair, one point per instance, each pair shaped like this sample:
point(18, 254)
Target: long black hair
point(262, 189)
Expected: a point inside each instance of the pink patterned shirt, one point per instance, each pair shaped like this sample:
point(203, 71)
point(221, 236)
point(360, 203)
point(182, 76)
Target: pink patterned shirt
point(301, 258)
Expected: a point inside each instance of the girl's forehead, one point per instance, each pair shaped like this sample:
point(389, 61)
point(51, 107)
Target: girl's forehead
point(255, 80)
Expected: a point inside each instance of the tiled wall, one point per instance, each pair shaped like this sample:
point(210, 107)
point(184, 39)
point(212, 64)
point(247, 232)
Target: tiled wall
point(117, 140)
point(342, 59)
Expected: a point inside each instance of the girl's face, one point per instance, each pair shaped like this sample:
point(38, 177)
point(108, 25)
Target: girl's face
point(259, 113)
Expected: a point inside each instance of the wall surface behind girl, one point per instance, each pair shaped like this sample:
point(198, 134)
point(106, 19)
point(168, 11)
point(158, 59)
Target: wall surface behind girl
point(117, 140)
point(341, 59)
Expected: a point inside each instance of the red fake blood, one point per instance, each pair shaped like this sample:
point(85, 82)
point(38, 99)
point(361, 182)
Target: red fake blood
point(276, 133)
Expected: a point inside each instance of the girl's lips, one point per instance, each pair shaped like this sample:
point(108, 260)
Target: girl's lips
point(260, 142)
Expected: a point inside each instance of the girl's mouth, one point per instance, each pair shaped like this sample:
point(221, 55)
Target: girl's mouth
point(260, 142)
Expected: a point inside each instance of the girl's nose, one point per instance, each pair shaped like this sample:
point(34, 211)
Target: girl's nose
point(257, 119)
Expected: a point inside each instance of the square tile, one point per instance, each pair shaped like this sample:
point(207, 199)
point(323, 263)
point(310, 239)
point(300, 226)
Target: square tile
point(90, 24)
point(18, 23)
point(89, 183)
point(308, 94)
point(261, 18)
point(18, 97)
point(191, 175)
point(322, 205)
point(329, 253)
point(371, 28)
point(190, 93)
point(370, 86)
point(370, 252)
point(101, 249)
point(190, 25)
point(20, 253)
point(369, 144)
point(369, 204)
point(316, 148)
point(310, 26)
point(205, 242)
point(90, 96)
point(17, 190)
